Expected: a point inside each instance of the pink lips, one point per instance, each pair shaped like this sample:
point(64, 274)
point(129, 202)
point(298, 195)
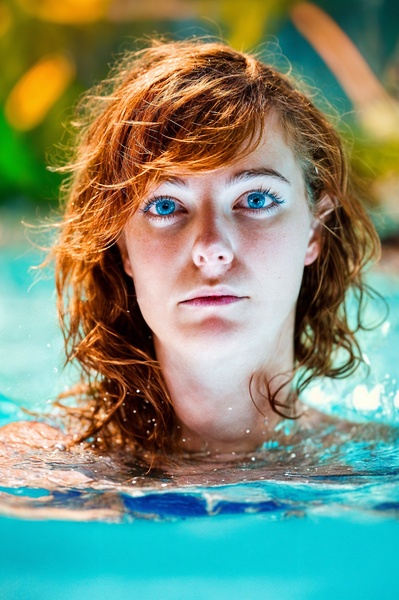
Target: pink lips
point(212, 297)
point(212, 300)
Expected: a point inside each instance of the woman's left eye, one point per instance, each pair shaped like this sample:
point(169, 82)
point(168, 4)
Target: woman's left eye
point(259, 200)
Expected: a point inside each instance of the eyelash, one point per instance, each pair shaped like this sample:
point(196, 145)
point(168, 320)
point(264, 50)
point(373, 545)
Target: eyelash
point(276, 201)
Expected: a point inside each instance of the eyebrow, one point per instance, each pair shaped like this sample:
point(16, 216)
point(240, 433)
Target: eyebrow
point(237, 177)
point(260, 172)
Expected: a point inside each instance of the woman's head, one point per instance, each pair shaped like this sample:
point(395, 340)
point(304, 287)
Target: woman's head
point(192, 107)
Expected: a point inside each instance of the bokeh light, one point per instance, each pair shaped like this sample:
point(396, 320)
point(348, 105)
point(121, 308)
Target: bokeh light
point(5, 18)
point(37, 91)
point(66, 11)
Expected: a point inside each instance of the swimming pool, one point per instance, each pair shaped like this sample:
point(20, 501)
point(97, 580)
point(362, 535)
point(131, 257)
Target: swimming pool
point(305, 529)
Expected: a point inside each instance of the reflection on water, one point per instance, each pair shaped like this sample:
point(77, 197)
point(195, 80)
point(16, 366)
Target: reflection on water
point(334, 467)
point(326, 471)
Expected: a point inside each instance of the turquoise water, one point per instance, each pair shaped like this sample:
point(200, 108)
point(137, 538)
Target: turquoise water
point(317, 517)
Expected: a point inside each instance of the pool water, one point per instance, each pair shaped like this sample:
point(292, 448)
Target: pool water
point(315, 517)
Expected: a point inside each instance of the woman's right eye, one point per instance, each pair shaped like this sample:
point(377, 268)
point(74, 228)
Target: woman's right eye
point(160, 207)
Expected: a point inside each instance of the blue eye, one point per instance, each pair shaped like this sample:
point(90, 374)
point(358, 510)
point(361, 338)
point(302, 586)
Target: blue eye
point(257, 199)
point(165, 206)
point(259, 203)
point(162, 207)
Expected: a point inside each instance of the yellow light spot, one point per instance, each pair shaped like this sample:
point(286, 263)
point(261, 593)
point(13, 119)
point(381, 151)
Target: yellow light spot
point(66, 11)
point(37, 91)
point(381, 119)
point(5, 18)
point(247, 20)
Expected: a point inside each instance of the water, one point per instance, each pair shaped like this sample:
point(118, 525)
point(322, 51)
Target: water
point(315, 516)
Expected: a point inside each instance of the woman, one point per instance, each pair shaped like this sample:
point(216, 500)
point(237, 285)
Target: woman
point(209, 237)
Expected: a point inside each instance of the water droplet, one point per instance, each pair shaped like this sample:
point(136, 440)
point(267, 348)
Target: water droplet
point(366, 359)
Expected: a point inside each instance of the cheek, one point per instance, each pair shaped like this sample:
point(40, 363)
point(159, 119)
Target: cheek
point(277, 260)
point(284, 247)
point(151, 262)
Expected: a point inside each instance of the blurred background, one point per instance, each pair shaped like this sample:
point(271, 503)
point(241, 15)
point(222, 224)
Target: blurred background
point(53, 50)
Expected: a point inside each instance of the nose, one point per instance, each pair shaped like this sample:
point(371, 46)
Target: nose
point(212, 248)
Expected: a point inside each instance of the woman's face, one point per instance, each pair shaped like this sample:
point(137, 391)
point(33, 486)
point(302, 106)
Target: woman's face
point(217, 257)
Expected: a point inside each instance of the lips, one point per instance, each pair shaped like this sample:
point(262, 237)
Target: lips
point(208, 297)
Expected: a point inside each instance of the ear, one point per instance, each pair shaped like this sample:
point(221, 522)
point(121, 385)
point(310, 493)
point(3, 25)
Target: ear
point(121, 243)
point(324, 207)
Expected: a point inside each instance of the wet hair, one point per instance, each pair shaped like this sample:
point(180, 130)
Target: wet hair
point(196, 105)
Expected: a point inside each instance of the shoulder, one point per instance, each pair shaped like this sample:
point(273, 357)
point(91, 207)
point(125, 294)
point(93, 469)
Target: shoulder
point(32, 434)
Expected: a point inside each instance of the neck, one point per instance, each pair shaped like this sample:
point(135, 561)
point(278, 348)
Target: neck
point(220, 402)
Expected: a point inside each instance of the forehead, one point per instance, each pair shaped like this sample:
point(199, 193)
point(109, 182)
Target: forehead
point(270, 156)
